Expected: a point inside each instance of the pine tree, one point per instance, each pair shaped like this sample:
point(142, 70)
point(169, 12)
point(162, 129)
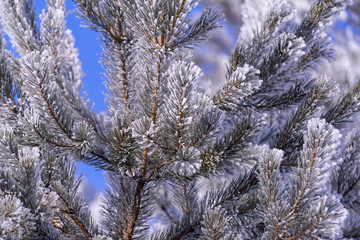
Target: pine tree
point(268, 155)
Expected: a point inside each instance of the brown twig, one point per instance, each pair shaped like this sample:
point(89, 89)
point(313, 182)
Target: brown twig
point(174, 22)
point(51, 142)
point(269, 185)
point(228, 92)
point(81, 226)
point(305, 232)
point(3, 191)
point(155, 92)
point(180, 118)
point(297, 201)
point(299, 120)
point(52, 113)
point(129, 230)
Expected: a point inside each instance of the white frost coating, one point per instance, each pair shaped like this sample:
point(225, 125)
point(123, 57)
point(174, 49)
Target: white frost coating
point(325, 138)
point(256, 11)
point(243, 82)
point(253, 12)
point(187, 163)
point(188, 133)
point(12, 213)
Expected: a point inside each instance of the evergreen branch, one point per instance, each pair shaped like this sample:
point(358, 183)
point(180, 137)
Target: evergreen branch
point(85, 116)
point(89, 11)
point(118, 38)
point(17, 228)
point(321, 12)
point(234, 190)
point(251, 181)
point(66, 191)
point(157, 168)
point(249, 52)
point(224, 148)
point(3, 191)
point(291, 151)
point(49, 178)
point(194, 225)
point(201, 137)
point(120, 148)
point(161, 127)
point(11, 231)
point(319, 93)
point(124, 75)
point(206, 22)
point(51, 111)
point(23, 24)
point(100, 156)
point(156, 89)
point(271, 106)
point(349, 174)
point(345, 107)
point(180, 116)
point(81, 226)
point(135, 211)
point(351, 186)
point(149, 38)
point(187, 231)
point(227, 93)
point(333, 114)
point(44, 138)
point(153, 27)
point(137, 24)
point(305, 232)
point(123, 67)
point(298, 199)
point(286, 99)
point(144, 162)
point(243, 82)
point(301, 116)
point(186, 199)
point(182, 4)
point(269, 184)
point(238, 139)
point(134, 214)
point(159, 145)
point(54, 117)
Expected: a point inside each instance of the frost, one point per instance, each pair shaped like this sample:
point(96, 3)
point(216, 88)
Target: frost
point(12, 213)
point(268, 143)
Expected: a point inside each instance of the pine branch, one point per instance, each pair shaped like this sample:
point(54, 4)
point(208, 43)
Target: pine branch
point(44, 138)
point(118, 35)
point(211, 201)
point(134, 214)
point(344, 108)
point(299, 198)
point(180, 117)
point(156, 89)
point(162, 129)
point(197, 30)
point(305, 232)
point(52, 113)
point(81, 226)
point(317, 95)
point(135, 211)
